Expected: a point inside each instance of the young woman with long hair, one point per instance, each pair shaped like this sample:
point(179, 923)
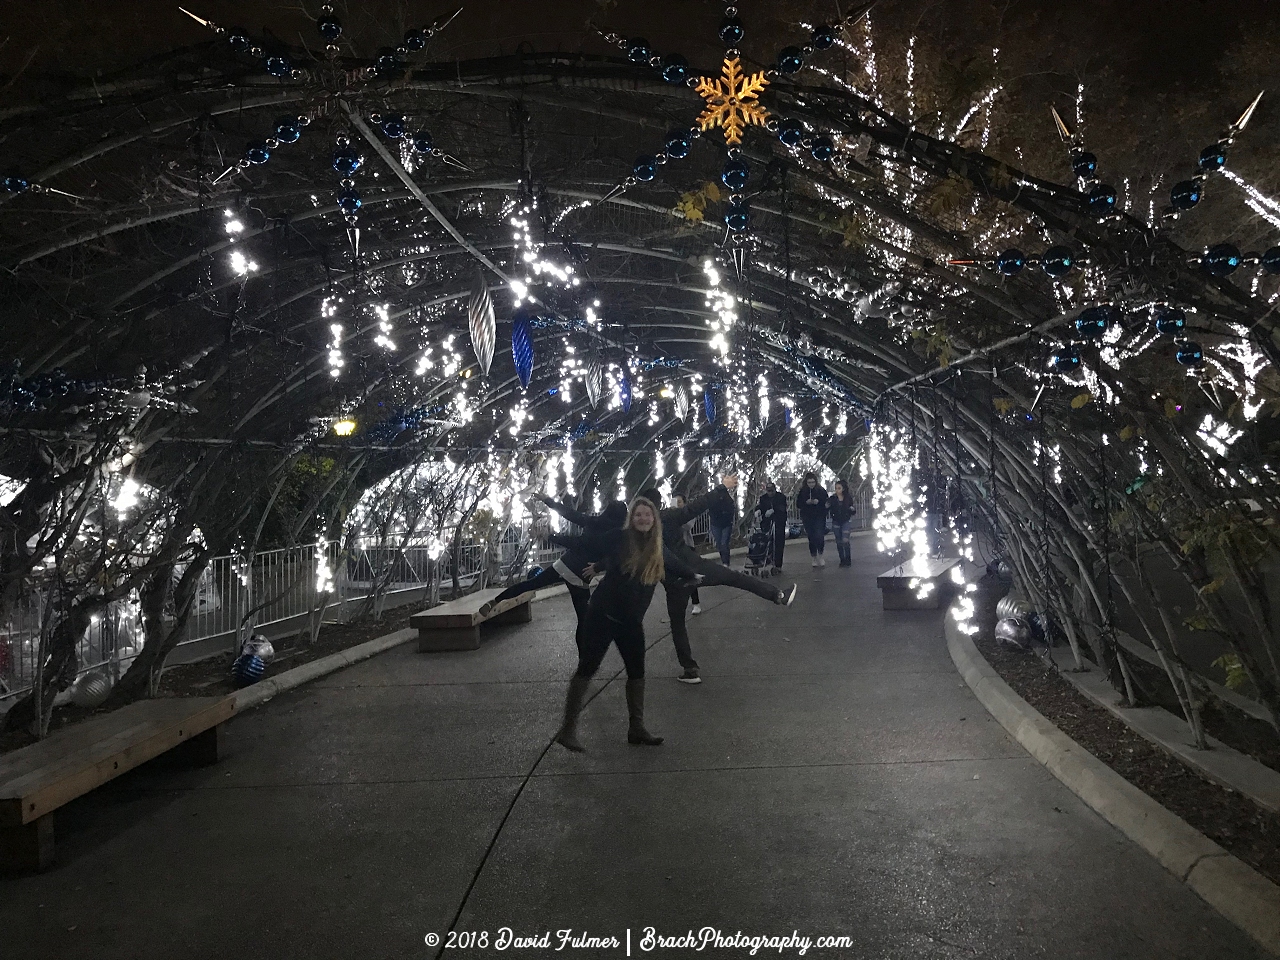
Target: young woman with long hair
point(842, 509)
point(634, 564)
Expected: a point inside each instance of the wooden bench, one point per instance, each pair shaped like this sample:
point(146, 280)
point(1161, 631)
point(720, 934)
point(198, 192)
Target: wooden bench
point(917, 584)
point(456, 625)
point(36, 780)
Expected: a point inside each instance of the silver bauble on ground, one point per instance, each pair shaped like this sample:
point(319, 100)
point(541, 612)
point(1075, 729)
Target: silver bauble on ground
point(1014, 631)
point(92, 689)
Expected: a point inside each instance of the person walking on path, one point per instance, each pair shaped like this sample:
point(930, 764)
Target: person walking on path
point(722, 514)
point(568, 567)
point(842, 509)
point(633, 561)
point(710, 572)
point(771, 511)
point(686, 537)
point(811, 501)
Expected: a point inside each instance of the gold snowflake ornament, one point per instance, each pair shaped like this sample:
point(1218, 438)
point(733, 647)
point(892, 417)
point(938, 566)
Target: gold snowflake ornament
point(733, 101)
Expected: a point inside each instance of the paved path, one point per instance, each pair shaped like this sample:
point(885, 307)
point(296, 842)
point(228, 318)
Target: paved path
point(832, 776)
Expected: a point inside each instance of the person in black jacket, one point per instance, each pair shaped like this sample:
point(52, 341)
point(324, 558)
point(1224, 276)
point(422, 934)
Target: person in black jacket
point(633, 561)
point(811, 501)
point(842, 508)
point(712, 573)
point(722, 513)
point(568, 567)
point(771, 511)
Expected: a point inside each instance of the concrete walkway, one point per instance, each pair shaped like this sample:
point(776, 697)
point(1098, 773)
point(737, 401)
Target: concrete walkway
point(832, 776)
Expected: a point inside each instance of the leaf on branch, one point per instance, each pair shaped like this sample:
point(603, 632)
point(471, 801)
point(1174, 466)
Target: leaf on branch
point(1212, 586)
point(947, 196)
point(1230, 664)
point(1080, 399)
point(1197, 621)
point(853, 229)
point(1170, 409)
point(1003, 404)
point(1127, 433)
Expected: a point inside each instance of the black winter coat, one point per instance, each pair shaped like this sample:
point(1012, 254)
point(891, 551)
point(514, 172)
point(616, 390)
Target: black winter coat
point(776, 502)
point(842, 511)
point(812, 504)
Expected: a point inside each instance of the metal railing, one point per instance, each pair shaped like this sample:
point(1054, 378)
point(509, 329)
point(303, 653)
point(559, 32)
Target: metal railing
point(238, 594)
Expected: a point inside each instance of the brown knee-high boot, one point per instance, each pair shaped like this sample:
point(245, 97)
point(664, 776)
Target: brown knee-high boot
point(568, 735)
point(636, 733)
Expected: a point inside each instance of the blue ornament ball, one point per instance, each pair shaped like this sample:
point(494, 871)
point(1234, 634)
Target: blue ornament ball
point(1065, 359)
point(1185, 195)
point(675, 68)
point(1270, 261)
point(414, 40)
point(257, 152)
point(1170, 320)
point(638, 50)
point(394, 126)
point(731, 32)
point(422, 142)
point(823, 149)
point(238, 40)
point(790, 59)
point(1189, 354)
point(735, 174)
point(823, 37)
point(349, 202)
point(678, 144)
point(288, 130)
point(347, 160)
point(278, 66)
point(1011, 262)
point(1084, 164)
point(645, 169)
point(330, 28)
point(1094, 321)
point(1057, 262)
point(387, 66)
point(791, 133)
point(247, 669)
point(16, 184)
point(738, 217)
point(1221, 259)
point(1102, 199)
point(1213, 158)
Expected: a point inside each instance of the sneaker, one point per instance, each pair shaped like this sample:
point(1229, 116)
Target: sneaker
point(822, 561)
point(697, 609)
point(815, 561)
point(786, 596)
point(486, 608)
point(690, 675)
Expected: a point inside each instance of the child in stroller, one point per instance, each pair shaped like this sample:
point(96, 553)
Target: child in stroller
point(759, 547)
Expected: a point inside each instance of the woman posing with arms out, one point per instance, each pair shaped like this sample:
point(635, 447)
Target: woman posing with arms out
point(811, 501)
point(842, 509)
point(633, 565)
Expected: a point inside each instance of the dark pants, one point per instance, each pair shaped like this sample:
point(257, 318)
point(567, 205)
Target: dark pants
point(721, 536)
point(779, 541)
point(549, 577)
point(600, 630)
point(816, 528)
point(714, 575)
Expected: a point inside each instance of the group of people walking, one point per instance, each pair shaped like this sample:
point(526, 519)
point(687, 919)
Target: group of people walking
point(814, 505)
point(636, 547)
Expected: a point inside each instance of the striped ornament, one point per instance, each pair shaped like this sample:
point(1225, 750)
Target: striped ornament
point(247, 669)
point(522, 347)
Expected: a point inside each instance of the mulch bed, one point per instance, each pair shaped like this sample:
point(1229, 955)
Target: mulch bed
point(212, 677)
point(1230, 819)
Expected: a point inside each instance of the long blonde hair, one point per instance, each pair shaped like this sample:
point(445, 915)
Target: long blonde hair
point(644, 550)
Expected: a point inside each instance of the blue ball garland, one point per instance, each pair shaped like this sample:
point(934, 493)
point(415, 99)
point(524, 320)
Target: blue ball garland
point(288, 130)
point(394, 126)
point(1065, 359)
point(738, 216)
point(349, 202)
point(1270, 261)
point(347, 160)
point(1084, 164)
point(638, 50)
point(735, 174)
point(414, 40)
point(1102, 199)
point(278, 66)
point(1170, 321)
point(1189, 354)
point(330, 28)
point(257, 152)
point(1185, 195)
point(422, 142)
point(1057, 262)
point(731, 32)
point(645, 169)
point(823, 37)
point(1011, 262)
point(823, 149)
point(1094, 321)
point(675, 68)
point(1221, 259)
point(791, 132)
point(678, 144)
point(790, 59)
point(1213, 158)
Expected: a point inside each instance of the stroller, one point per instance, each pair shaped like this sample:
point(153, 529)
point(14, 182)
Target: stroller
point(759, 548)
